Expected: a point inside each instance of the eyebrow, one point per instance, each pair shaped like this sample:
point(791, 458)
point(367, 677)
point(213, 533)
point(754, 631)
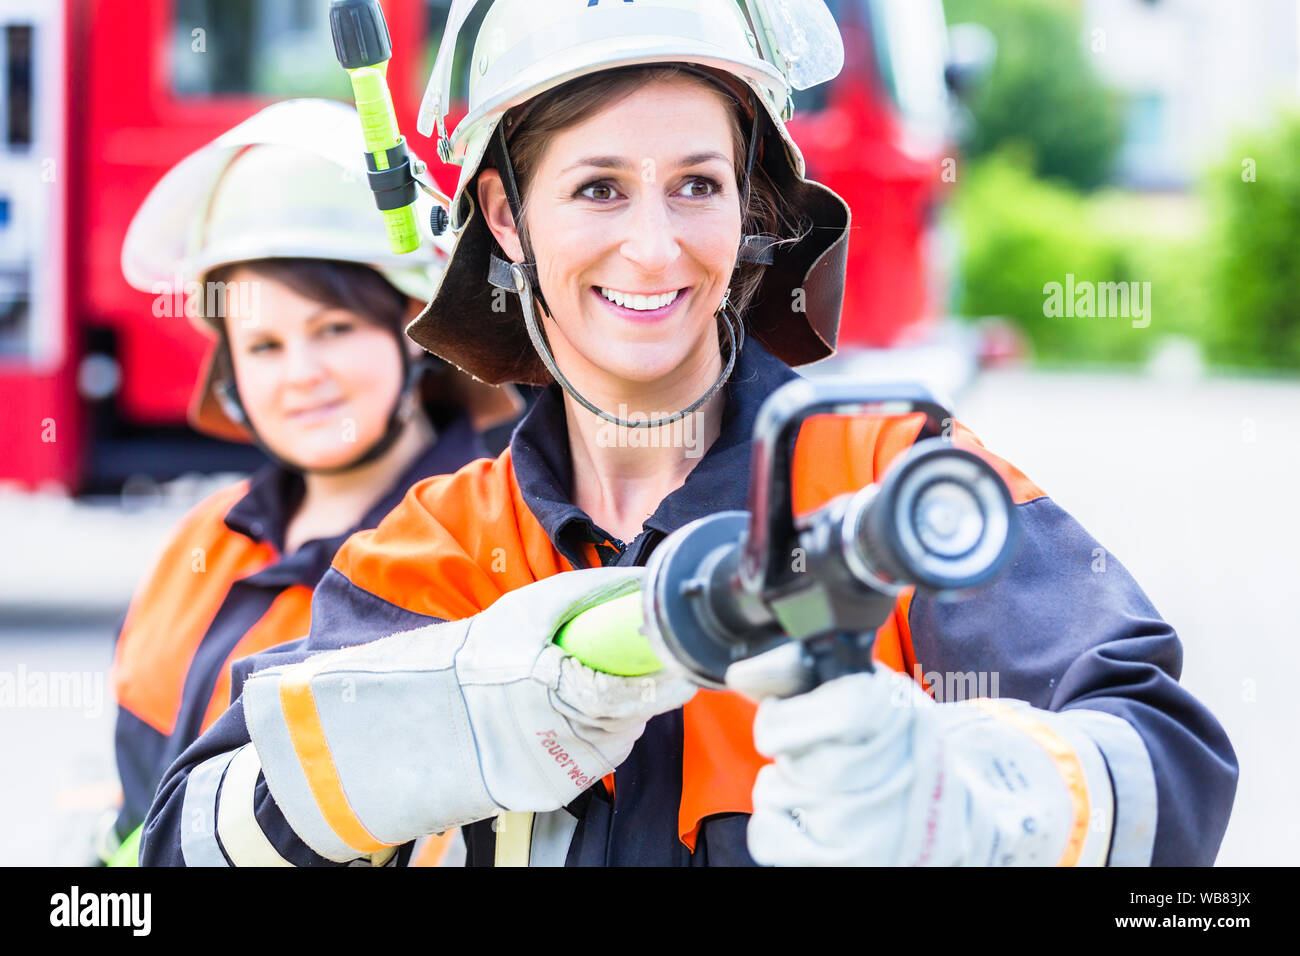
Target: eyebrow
point(309, 320)
point(618, 162)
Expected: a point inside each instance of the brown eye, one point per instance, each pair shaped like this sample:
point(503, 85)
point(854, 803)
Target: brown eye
point(600, 192)
point(700, 187)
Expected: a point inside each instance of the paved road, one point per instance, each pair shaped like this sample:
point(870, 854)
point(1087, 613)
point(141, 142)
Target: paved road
point(1192, 487)
point(57, 752)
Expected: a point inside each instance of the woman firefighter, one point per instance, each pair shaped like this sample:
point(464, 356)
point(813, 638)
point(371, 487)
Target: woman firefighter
point(277, 238)
point(634, 227)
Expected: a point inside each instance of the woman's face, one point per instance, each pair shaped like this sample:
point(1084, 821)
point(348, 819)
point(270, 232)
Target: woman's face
point(318, 382)
point(634, 218)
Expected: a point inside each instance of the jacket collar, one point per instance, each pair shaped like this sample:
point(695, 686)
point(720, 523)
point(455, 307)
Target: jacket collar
point(275, 492)
point(539, 450)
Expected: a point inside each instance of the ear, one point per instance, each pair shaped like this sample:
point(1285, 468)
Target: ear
point(495, 207)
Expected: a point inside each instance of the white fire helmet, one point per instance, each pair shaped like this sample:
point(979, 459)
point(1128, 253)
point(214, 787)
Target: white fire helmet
point(289, 182)
point(760, 50)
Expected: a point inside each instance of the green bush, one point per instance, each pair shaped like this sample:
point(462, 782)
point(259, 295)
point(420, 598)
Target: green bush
point(1254, 197)
point(1043, 93)
point(1020, 233)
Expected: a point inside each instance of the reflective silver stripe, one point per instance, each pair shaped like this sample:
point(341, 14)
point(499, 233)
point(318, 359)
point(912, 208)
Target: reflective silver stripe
point(241, 835)
point(1134, 782)
point(514, 837)
point(199, 844)
point(552, 834)
point(382, 858)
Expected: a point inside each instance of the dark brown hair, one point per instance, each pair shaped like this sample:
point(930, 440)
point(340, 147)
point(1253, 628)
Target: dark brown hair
point(531, 127)
point(342, 285)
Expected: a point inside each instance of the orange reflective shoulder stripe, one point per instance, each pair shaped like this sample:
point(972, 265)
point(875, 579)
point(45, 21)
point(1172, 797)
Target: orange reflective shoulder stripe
point(453, 545)
point(542, 556)
point(719, 762)
point(288, 618)
point(898, 434)
point(832, 456)
point(175, 606)
point(888, 649)
point(836, 454)
point(1022, 489)
point(910, 665)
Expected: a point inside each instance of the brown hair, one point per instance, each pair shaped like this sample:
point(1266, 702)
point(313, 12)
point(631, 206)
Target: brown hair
point(529, 128)
point(342, 285)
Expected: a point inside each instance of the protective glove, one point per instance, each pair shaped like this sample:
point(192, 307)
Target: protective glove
point(869, 770)
point(433, 728)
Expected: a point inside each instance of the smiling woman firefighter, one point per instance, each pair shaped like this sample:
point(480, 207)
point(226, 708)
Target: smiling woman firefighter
point(278, 239)
point(634, 228)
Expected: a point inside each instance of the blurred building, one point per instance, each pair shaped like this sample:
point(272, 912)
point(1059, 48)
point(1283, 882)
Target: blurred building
point(1193, 72)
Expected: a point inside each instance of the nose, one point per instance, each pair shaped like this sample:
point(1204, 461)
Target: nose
point(302, 366)
point(651, 239)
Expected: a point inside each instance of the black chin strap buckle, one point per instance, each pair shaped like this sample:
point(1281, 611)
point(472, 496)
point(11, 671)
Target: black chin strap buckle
point(501, 273)
point(501, 157)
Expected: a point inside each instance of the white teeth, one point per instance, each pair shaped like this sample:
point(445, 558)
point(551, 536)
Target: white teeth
point(638, 303)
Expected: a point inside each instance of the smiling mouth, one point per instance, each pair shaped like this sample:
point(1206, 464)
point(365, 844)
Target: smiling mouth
point(638, 305)
point(317, 411)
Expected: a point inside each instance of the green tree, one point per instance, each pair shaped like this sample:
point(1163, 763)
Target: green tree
point(1021, 233)
point(1254, 196)
point(1043, 93)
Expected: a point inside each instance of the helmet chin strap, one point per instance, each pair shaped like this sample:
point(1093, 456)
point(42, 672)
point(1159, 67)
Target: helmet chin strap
point(521, 277)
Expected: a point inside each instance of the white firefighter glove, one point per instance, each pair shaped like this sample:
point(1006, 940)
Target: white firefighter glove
point(869, 770)
point(429, 729)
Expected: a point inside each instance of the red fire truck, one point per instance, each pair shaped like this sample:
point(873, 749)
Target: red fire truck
point(98, 98)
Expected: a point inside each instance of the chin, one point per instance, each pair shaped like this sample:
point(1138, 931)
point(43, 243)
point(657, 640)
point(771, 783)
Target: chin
point(643, 366)
point(335, 455)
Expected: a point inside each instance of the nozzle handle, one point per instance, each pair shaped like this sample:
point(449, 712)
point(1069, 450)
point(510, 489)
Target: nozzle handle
point(608, 638)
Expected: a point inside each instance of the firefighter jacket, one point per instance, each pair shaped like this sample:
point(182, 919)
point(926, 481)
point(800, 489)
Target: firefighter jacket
point(223, 589)
point(1052, 631)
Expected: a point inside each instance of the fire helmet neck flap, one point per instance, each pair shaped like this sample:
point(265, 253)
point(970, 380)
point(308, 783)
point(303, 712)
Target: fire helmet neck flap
point(758, 49)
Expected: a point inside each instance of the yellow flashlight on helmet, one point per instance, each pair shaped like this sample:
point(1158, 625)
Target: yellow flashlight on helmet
point(363, 47)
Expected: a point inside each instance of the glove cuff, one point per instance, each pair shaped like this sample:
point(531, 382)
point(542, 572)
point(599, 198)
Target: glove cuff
point(1039, 790)
point(331, 730)
point(1132, 780)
